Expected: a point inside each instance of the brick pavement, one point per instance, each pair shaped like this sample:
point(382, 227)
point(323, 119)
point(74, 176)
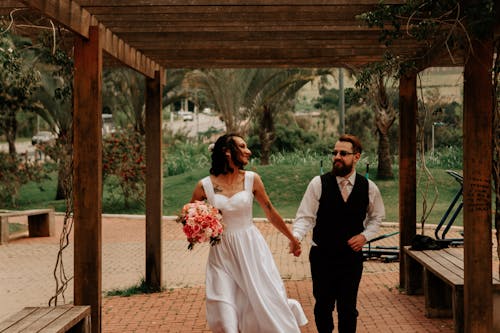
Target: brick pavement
point(27, 268)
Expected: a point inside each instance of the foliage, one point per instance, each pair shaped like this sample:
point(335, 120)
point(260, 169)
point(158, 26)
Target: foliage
point(449, 22)
point(18, 80)
point(124, 159)
point(123, 93)
point(289, 138)
point(56, 95)
point(185, 157)
point(14, 172)
point(141, 288)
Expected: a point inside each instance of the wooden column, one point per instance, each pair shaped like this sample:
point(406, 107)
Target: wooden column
point(154, 181)
point(407, 166)
point(478, 118)
point(87, 174)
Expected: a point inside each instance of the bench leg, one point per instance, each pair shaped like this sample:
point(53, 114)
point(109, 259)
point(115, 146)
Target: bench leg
point(4, 230)
point(83, 326)
point(437, 294)
point(496, 311)
point(42, 225)
point(458, 309)
point(413, 276)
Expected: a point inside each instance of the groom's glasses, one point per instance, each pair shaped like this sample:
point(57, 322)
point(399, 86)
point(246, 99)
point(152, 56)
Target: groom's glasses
point(342, 153)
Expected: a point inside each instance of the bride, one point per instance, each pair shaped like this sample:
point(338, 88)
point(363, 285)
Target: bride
point(244, 290)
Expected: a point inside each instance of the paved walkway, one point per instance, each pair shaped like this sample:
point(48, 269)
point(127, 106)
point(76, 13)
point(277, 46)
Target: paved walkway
point(28, 264)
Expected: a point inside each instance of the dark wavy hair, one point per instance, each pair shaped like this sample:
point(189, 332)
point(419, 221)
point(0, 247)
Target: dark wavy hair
point(220, 164)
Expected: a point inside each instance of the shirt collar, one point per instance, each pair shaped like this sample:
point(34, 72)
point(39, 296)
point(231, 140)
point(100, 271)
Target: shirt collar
point(351, 178)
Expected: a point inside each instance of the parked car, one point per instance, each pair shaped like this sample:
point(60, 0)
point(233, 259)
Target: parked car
point(43, 137)
point(186, 115)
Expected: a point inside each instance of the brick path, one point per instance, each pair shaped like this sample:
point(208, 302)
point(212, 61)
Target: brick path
point(27, 268)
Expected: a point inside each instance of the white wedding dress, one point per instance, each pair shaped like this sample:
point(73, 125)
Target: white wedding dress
point(244, 290)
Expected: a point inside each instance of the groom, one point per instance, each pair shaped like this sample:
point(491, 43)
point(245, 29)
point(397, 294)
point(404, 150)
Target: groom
point(344, 210)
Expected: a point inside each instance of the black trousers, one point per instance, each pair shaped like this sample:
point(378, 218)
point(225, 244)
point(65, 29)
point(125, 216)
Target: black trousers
point(335, 282)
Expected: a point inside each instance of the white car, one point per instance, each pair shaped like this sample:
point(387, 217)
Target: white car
point(43, 137)
point(186, 115)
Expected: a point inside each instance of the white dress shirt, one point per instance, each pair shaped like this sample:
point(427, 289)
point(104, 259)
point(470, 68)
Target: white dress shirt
point(305, 220)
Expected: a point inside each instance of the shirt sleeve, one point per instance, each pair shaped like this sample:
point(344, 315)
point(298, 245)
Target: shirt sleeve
point(305, 219)
point(375, 212)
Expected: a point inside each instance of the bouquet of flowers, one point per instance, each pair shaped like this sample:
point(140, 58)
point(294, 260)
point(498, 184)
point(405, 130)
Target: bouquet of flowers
point(201, 222)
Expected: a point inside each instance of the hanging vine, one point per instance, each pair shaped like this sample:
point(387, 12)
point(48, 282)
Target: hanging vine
point(60, 276)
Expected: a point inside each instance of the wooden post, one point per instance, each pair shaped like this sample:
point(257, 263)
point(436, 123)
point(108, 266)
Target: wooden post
point(407, 168)
point(87, 174)
point(154, 182)
point(478, 118)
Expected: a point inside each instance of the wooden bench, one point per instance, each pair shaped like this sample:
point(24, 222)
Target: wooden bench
point(41, 223)
point(439, 275)
point(50, 319)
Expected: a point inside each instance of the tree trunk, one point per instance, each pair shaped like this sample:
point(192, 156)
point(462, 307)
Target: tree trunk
point(385, 115)
point(384, 169)
point(65, 170)
point(10, 132)
point(61, 189)
point(266, 134)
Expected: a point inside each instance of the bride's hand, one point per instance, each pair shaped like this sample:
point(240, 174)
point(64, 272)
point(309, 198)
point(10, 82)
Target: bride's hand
point(295, 247)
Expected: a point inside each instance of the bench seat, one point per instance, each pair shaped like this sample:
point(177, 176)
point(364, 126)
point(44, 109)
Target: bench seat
point(41, 222)
point(439, 275)
point(50, 319)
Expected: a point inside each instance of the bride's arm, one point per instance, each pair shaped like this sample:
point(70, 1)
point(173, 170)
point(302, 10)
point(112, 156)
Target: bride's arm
point(198, 193)
point(272, 214)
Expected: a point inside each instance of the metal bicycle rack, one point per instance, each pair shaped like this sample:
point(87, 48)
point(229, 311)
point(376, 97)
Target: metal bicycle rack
point(454, 210)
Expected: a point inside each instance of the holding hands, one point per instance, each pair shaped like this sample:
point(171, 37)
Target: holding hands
point(295, 247)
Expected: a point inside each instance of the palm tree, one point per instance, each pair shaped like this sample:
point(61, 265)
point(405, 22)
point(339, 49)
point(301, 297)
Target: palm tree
point(374, 81)
point(272, 93)
point(56, 95)
point(242, 96)
point(227, 90)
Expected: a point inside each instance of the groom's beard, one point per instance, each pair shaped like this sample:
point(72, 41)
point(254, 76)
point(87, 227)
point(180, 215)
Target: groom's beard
point(341, 169)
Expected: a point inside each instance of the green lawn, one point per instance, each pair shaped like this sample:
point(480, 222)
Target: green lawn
point(285, 185)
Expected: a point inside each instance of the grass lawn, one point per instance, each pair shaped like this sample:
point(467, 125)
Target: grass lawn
point(285, 184)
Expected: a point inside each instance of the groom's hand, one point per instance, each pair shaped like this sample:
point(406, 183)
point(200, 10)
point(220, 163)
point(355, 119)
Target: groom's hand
point(356, 242)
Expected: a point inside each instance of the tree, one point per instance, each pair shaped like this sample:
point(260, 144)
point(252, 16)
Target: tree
point(374, 80)
point(123, 94)
point(56, 95)
point(273, 91)
point(242, 96)
point(18, 80)
point(227, 90)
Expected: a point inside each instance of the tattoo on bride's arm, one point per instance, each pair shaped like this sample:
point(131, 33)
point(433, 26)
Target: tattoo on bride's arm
point(269, 205)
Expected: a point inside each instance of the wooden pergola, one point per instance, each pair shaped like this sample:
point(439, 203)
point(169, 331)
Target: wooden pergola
point(150, 36)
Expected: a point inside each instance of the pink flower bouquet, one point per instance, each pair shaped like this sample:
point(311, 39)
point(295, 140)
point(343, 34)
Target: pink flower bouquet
point(201, 222)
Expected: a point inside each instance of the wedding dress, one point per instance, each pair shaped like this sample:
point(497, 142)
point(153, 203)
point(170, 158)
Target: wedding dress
point(244, 290)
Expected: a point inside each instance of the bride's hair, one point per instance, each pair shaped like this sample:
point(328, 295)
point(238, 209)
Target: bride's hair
point(220, 164)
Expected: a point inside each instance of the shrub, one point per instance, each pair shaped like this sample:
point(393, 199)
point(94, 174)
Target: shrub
point(14, 172)
point(124, 159)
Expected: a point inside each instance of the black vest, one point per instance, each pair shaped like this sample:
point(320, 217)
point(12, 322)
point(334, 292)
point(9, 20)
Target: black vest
point(336, 220)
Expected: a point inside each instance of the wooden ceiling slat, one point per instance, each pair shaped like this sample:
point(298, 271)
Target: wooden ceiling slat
point(202, 11)
point(128, 3)
point(148, 34)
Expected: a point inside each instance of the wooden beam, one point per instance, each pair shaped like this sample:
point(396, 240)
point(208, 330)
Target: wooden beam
point(78, 20)
point(407, 167)
point(87, 174)
point(477, 129)
point(154, 182)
